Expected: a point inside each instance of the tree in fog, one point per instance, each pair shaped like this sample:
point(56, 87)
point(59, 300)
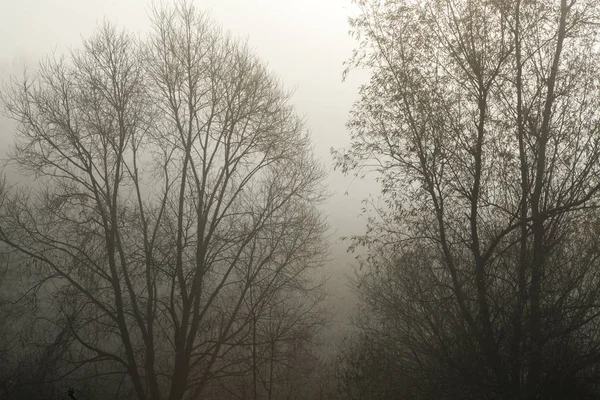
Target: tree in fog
point(481, 122)
point(174, 202)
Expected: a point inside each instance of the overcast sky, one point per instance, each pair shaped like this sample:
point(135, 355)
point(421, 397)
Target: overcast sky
point(303, 42)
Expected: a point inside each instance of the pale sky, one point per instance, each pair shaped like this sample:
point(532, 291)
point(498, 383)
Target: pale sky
point(303, 42)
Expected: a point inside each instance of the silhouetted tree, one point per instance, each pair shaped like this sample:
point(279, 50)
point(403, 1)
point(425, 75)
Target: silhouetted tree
point(481, 121)
point(175, 200)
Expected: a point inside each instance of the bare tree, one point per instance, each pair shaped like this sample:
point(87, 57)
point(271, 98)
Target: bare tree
point(173, 183)
point(279, 356)
point(481, 119)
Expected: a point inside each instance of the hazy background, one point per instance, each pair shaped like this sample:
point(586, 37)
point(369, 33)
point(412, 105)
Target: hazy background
point(304, 43)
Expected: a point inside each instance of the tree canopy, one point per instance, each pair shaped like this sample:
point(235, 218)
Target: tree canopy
point(173, 222)
point(481, 122)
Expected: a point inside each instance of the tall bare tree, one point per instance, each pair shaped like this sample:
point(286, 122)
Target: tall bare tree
point(481, 120)
point(174, 184)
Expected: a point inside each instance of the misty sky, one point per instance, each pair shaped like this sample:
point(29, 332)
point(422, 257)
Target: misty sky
point(304, 43)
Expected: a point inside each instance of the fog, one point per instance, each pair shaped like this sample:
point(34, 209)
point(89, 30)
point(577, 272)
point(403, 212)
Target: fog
point(305, 44)
point(166, 239)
